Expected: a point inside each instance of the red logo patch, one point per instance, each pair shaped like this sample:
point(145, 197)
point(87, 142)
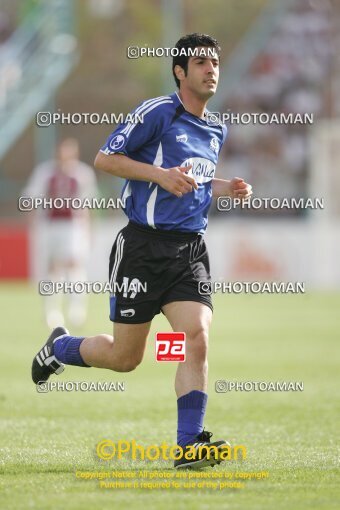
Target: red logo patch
point(170, 346)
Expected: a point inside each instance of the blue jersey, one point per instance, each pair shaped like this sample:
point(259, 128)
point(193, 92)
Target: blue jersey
point(168, 137)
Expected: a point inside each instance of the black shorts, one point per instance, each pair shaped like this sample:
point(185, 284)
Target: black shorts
point(150, 268)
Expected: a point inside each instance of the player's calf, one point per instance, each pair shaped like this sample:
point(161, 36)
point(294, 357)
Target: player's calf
point(122, 352)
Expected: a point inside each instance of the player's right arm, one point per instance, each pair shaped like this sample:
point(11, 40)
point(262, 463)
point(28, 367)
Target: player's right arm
point(174, 180)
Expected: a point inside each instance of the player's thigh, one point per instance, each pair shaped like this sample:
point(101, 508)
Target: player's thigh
point(130, 340)
point(194, 318)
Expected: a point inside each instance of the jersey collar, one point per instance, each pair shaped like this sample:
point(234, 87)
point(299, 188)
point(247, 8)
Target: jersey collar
point(189, 113)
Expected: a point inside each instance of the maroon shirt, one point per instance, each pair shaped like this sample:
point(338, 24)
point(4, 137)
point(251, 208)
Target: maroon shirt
point(61, 186)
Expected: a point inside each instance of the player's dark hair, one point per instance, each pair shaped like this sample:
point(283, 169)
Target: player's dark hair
point(192, 41)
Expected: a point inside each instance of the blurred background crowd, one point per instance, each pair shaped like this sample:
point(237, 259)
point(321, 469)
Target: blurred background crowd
point(294, 72)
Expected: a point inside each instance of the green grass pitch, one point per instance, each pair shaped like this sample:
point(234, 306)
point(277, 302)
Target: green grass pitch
point(46, 438)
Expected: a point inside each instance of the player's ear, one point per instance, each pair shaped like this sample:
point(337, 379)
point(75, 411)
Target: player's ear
point(179, 72)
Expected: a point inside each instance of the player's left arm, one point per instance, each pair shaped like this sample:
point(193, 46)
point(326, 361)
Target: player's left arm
point(235, 188)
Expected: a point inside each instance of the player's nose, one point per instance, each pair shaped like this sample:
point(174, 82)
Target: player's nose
point(210, 70)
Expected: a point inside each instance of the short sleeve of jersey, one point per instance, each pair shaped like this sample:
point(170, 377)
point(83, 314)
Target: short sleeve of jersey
point(148, 120)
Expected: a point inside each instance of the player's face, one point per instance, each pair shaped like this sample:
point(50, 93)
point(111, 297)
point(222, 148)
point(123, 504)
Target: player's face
point(202, 75)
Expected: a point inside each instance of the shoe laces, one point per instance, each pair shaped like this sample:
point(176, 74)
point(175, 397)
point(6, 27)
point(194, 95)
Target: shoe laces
point(205, 436)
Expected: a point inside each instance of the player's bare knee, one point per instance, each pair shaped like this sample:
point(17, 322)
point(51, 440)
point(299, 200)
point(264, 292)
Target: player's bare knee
point(197, 344)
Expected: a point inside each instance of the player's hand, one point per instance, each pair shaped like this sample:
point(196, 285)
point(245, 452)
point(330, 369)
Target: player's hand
point(176, 181)
point(239, 189)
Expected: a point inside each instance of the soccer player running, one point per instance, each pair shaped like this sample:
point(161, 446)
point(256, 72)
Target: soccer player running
point(168, 163)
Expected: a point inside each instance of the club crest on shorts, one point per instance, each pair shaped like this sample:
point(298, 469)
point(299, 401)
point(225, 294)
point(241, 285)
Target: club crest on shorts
point(130, 312)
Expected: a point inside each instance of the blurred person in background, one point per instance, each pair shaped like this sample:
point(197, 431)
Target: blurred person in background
point(64, 231)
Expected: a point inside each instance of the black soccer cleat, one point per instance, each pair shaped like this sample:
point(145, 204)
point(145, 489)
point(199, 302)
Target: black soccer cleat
point(202, 457)
point(45, 363)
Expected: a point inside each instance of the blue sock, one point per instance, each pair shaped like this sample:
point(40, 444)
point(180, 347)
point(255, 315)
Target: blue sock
point(191, 410)
point(66, 350)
